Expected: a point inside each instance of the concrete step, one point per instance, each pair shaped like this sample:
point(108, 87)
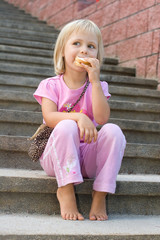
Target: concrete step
point(26, 59)
point(18, 15)
point(36, 27)
point(28, 191)
point(138, 158)
point(129, 81)
point(119, 227)
point(134, 110)
point(46, 71)
point(27, 34)
point(118, 70)
point(134, 94)
point(26, 83)
point(24, 50)
point(23, 123)
point(19, 83)
point(34, 60)
point(25, 43)
point(119, 109)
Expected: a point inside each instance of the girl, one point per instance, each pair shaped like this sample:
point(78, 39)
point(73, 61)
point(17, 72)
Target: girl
point(75, 149)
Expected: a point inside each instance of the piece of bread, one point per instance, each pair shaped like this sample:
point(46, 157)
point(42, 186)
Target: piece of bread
point(79, 60)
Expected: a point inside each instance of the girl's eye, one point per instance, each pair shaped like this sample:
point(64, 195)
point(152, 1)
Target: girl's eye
point(91, 46)
point(76, 43)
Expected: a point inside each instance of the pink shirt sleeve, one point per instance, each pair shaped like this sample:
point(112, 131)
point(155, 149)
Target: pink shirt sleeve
point(47, 89)
point(105, 89)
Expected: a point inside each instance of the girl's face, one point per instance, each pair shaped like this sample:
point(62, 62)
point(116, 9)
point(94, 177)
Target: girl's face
point(81, 44)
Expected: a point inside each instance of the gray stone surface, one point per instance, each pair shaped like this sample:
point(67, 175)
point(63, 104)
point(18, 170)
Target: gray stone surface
point(117, 80)
point(118, 227)
point(28, 191)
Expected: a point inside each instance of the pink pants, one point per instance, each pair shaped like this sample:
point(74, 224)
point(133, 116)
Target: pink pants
point(69, 160)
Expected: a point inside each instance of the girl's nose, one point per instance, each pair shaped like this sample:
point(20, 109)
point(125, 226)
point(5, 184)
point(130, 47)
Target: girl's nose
point(84, 50)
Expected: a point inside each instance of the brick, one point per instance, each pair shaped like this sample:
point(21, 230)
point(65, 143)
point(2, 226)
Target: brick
point(128, 64)
point(58, 21)
point(36, 7)
point(156, 41)
point(128, 7)
point(141, 67)
point(29, 6)
point(97, 18)
point(144, 45)
point(23, 3)
point(136, 47)
point(151, 70)
point(139, 64)
point(137, 24)
point(158, 74)
point(126, 50)
point(47, 12)
point(61, 4)
point(76, 14)
point(154, 17)
point(85, 4)
point(145, 4)
point(41, 4)
point(53, 8)
point(88, 11)
point(110, 13)
point(103, 3)
point(115, 32)
point(110, 51)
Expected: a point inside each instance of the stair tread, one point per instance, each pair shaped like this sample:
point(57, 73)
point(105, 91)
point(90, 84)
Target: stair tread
point(137, 226)
point(28, 32)
point(36, 118)
point(26, 43)
point(114, 104)
point(127, 82)
point(112, 79)
point(40, 174)
point(48, 71)
point(36, 181)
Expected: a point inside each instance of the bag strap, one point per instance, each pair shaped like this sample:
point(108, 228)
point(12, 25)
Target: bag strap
point(83, 92)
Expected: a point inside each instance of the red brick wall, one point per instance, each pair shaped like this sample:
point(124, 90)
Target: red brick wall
point(130, 28)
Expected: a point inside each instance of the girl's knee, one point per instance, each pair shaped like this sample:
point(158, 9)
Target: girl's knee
point(113, 131)
point(67, 127)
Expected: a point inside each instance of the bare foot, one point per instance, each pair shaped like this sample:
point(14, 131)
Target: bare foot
point(68, 205)
point(98, 207)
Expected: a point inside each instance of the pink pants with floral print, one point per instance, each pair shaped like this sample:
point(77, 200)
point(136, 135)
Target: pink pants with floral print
point(69, 160)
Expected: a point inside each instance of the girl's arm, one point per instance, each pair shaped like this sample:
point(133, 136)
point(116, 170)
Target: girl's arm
point(87, 129)
point(100, 106)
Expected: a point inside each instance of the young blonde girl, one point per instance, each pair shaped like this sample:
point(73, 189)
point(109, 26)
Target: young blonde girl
point(75, 150)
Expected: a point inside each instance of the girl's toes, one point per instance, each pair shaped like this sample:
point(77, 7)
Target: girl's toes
point(93, 218)
point(63, 216)
point(80, 217)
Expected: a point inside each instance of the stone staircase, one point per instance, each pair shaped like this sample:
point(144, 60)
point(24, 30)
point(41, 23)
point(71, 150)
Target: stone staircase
point(28, 204)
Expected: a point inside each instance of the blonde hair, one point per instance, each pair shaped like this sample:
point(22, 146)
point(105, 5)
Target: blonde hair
point(67, 30)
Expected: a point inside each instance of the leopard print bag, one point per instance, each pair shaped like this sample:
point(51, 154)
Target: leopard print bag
point(40, 139)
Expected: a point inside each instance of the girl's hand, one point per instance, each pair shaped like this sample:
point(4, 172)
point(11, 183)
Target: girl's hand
point(88, 131)
point(94, 70)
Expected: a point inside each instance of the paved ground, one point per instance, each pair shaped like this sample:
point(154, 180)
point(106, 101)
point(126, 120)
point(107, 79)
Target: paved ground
point(42, 224)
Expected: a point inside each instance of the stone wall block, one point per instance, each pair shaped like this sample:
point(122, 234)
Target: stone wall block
point(128, 7)
point(154, 17)
point(137, 24)
point(151, 66)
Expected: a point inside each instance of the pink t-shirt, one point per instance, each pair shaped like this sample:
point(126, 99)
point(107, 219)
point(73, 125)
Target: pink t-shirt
point(56, 90)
